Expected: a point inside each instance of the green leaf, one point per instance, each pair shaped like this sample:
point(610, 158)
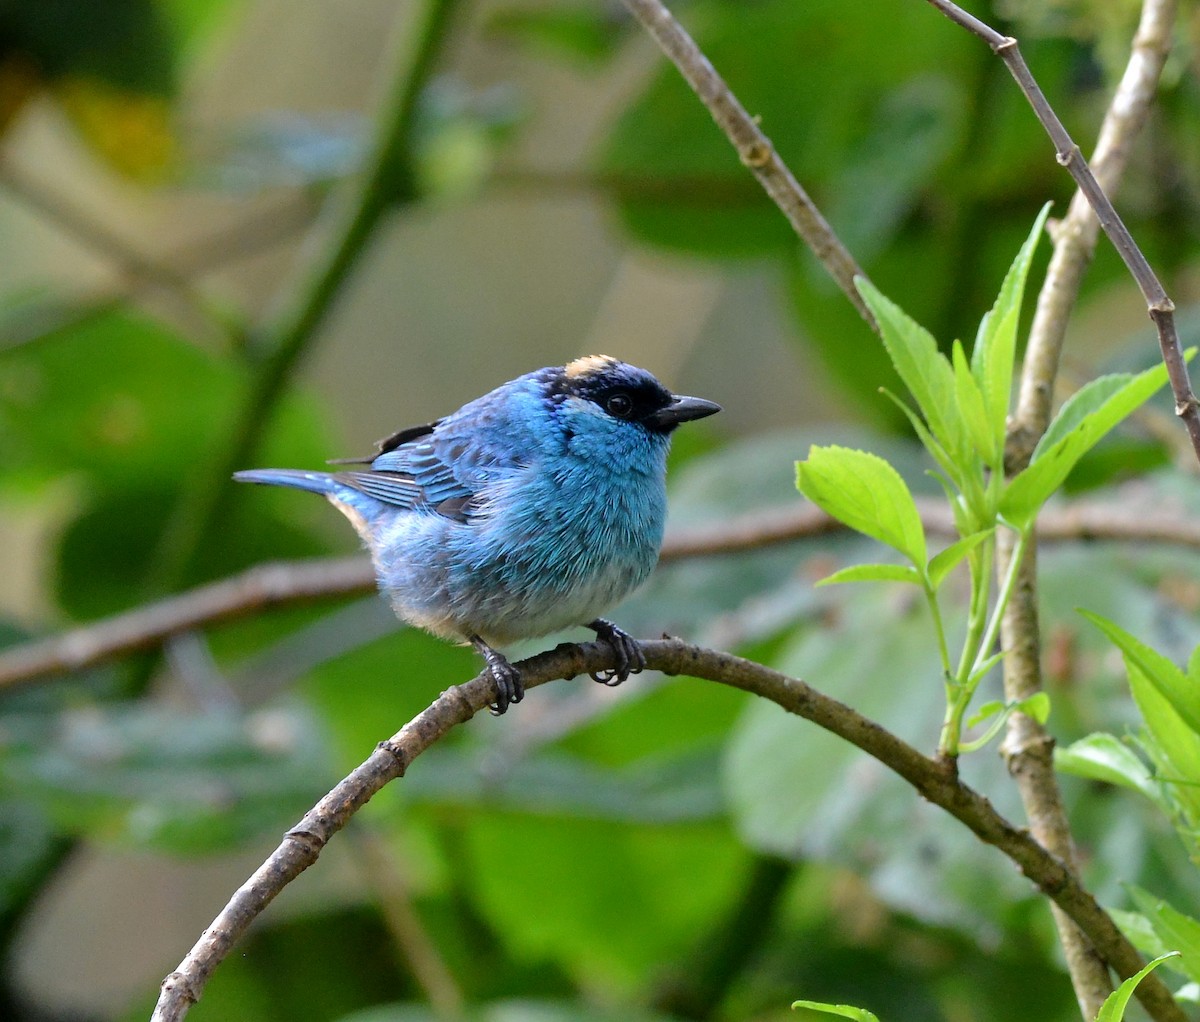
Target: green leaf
point(1079, 426)
point(995, 345)
point(1036, 706)
point(1176, 930)
point(841, 1010)
point(874, 573)
point(1169, 680)
point(922, 367)
point(818, 799)
point(971, 407)
point(928, 441)
point(867, 494)
point(1104, 757)
point(988, 709)
point(1140, 932)
point(1113, 1008)
point(941, 564)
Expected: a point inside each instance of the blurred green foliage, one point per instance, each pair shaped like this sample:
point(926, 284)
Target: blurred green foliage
point(679, 850)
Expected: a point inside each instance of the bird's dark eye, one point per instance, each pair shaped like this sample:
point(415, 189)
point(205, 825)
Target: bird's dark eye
point(619, 405)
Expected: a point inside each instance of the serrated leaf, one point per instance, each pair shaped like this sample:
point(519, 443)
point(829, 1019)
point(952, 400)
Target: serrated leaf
point(1079, 426)
point(942, 563)
point(841, 1010)
point(874, 573)
point(1176, 930)
point(974, 412)
point(928, 440)
point(1104, 757)
point(866, 493)
point(995, 344)
point(923, 368)
point(1113, 1008)
point(1168, 679)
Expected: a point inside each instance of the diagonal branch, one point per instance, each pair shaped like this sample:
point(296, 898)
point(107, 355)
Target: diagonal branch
point(303, 843)
point(753, 147)
point(1028, 747)
point(1075, 237)
point(1160, 308)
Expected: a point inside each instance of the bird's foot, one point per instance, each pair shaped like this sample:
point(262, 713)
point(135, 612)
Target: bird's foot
point(630, 658)
point(507, 679)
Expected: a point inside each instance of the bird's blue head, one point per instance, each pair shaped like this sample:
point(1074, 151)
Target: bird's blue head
point(611, 409)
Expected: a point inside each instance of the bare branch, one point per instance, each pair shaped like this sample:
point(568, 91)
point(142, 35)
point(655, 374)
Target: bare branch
point(1075, 237)
point(326, 578)
point(303, 843)
point(1160, 308)
point(753, 147)
point(1028, 747)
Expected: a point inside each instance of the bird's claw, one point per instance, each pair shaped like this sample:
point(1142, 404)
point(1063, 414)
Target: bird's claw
point(509, 687)
point(507, 679)
point(630, 658)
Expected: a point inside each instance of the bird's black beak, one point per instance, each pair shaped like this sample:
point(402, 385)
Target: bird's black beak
point(681, 409)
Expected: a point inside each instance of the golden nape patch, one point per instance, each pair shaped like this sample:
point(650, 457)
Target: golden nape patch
point(588, 365)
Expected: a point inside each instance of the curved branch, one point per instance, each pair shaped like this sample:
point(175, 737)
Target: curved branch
point(303, 843)
point(1160, 308)
point(753, 147)
point(331, 578)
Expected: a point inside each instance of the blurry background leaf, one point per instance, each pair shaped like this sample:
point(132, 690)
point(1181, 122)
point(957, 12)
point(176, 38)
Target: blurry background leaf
point(110, 65)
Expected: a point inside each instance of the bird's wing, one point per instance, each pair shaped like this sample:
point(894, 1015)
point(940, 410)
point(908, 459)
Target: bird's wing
point(441, 466)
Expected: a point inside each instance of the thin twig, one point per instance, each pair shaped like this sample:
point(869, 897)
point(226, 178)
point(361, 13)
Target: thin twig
point(132, 264)
point(1028, 747)
point(252, 234)
point(1075, 237)
point(753, 147)
point(303, 843)
point(1160, 308)
point(331, 578)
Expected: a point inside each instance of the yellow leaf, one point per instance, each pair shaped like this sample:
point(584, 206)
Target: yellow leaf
point(132, 131)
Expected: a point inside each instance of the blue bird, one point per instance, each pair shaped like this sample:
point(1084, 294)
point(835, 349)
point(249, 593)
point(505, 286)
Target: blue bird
point(531, 509)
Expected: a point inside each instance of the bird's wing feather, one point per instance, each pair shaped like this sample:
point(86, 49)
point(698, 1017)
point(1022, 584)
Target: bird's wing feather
point(441, 466)
point(389, 487)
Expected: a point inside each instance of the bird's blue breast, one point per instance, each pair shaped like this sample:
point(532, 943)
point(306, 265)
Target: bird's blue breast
point(555, 541)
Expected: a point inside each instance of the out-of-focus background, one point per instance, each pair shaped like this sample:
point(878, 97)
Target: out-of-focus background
point(179, 290)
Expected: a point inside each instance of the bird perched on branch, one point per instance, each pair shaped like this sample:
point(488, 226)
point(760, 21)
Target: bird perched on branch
point(530, 509)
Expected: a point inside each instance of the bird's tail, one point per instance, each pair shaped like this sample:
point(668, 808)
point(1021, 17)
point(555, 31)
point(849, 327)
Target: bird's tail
point(314, 482)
